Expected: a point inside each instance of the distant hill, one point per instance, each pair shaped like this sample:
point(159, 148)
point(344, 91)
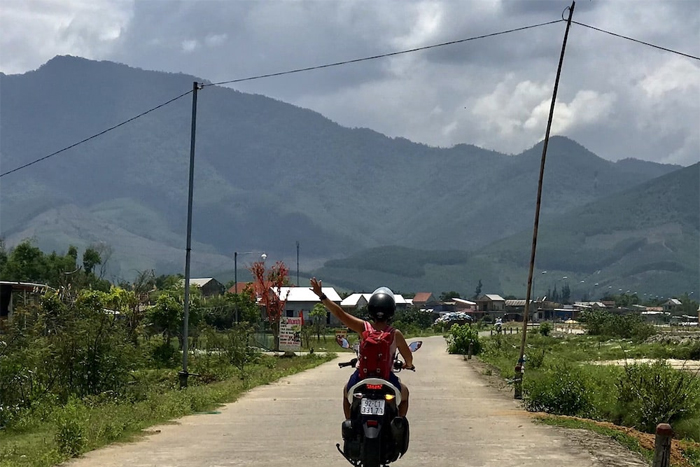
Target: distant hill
point(268, 174)
point(645, 240)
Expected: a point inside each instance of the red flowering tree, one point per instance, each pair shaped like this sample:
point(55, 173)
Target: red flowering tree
point(267, 285)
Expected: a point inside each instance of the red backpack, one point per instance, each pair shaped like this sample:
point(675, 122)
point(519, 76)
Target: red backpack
point(375, 352)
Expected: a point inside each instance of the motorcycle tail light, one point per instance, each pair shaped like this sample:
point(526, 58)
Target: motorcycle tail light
point(358, 395)
point(372, 423)
point(374, 386)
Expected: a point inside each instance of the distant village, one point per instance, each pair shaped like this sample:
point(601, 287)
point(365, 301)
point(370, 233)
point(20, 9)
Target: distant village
point(300, 301)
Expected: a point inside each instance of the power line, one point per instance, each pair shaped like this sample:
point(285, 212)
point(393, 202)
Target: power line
point(96, 134)
point(637, 41)
point(390, 54)
point(299, 70)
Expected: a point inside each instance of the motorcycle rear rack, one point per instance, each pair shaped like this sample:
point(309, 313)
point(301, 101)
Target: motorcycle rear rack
point(355, 463)
point(352, 462)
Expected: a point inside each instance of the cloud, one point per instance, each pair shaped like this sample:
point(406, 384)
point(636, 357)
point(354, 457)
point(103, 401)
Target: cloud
point(34, 31)
point(616, 97)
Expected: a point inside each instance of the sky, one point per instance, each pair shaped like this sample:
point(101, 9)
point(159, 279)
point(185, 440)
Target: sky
point(617, 98)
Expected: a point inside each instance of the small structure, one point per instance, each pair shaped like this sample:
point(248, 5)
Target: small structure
point(515, 309)
point(425, 300)
point(301, 300)
point(9, 292)
point(355, 302)
point(656, 317)
point(672, 304)
point(208, 285)
point(491, 303)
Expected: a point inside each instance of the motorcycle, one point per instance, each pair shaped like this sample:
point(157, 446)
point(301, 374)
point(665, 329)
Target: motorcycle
point(374, 436)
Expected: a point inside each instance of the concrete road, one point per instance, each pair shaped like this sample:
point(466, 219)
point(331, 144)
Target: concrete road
point(457, 419)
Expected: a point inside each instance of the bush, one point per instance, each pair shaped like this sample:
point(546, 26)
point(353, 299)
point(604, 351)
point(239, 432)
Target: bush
point(656, 393)
point(70, 435)
point(544, 329)
point(561, 390)
point(459, 338)
point(604, 323)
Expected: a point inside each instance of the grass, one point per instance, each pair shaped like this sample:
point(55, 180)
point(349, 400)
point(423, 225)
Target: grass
point(684, 453)
point(551, 359)
point(46, 439)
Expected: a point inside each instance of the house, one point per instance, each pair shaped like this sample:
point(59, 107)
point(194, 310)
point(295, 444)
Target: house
point(239, 287)
point(490, 303)
point(207, 285)
point(24, 292)
point(464, 305)
point(355, 302)
point(358, 301)
point(515, 309)
point(401, 303)
point(301, 300)
point(656, 317)
point(672, 304)
point(425, 300)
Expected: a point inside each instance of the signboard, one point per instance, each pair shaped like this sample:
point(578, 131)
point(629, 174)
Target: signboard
point(290, 334)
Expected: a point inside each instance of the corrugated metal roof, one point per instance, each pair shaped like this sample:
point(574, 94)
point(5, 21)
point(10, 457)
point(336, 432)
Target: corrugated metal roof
point(354, 299)
point(201, 281)
point(305, 294)
point(463, 302)
point(494, 297)
point(516, 302)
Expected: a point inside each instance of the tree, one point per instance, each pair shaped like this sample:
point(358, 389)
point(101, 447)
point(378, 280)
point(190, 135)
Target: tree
point(319, 316)
point(267, 284)
point(105, 252)
point(447, 296)
point(477, 292)
point(566, 294)
point(91, 258)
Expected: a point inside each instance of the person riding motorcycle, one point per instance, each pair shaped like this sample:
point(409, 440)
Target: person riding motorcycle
point(381, 308)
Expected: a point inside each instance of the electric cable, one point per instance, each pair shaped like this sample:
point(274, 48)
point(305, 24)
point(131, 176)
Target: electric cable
point(637, 40)
point(374, 57)
point(96, 134)
point(390, 54)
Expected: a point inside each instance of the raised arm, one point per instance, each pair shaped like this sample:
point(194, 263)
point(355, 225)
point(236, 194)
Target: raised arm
point(355, 324)
point(404, 350)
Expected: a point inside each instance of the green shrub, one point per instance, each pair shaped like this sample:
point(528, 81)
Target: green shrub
point(560, 390)
point(71, 427)
point(656, 393)
point(544, 329)
point(604, 323)
point(459, 338)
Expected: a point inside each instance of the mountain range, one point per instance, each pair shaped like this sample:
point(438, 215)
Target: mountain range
point(270, 174)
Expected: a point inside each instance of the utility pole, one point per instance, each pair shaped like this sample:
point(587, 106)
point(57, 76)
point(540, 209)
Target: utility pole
point(184, 374)
point(521, 360)
point(297, 263)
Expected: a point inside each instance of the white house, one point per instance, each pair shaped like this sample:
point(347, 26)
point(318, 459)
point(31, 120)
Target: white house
point(301, 300)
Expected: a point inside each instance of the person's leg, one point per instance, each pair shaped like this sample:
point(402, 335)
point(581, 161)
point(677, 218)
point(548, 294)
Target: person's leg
point(403, 407)
point(346, 404)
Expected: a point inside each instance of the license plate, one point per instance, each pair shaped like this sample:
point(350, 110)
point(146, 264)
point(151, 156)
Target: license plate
point(372, 407)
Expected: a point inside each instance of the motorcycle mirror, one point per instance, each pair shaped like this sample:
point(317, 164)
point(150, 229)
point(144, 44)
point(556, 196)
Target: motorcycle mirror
point(415, 345)
point(342, 341)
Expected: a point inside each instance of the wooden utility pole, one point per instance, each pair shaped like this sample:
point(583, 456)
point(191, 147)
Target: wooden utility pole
point(521, 361)
point(184, 374)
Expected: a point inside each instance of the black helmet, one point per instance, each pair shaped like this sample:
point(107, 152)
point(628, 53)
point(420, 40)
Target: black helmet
point(381, 306)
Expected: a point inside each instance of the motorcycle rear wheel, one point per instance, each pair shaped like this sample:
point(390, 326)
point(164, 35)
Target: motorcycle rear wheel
point(371, 453)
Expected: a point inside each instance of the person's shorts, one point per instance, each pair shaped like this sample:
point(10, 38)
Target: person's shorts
point(355, 378)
